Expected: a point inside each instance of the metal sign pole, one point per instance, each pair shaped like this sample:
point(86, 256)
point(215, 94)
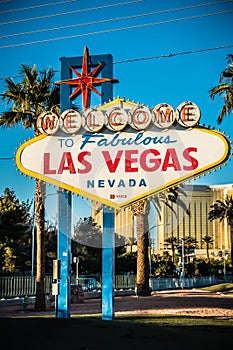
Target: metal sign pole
point(64, 219)
point(64, 253)
point(108, 236)
point(108, 264)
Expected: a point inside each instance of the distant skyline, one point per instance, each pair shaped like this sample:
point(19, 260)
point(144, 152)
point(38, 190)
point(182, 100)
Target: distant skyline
point(166, 51)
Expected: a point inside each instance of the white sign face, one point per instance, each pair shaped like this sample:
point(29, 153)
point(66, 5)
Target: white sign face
point(120, 168)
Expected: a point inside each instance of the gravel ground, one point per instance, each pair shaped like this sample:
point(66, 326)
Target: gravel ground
point(178, 302)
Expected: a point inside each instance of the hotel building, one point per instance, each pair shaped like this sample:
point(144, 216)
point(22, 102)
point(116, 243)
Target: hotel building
point(176, 223)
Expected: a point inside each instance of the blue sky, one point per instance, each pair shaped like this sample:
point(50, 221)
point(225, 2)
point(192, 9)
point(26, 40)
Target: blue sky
point(170, 54)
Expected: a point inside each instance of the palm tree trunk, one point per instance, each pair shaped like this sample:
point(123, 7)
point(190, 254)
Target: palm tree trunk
point(173, 253)
point(40, 266)
point(231, 232)
point(207, 252)
point(143, 288)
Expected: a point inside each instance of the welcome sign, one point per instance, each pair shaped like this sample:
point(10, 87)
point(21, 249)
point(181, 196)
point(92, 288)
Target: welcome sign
point(121, 152)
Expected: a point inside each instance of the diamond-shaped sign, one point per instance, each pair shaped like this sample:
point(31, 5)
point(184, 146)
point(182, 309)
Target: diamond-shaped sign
point(119, 168)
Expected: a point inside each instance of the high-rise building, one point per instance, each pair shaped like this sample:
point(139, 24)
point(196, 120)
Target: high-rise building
point(176, 223)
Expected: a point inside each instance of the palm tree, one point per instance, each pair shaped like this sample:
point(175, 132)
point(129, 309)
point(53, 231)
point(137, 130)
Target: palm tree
point(141, 210)
point(189, 244)
point(173, 242)
point(225, 89)
point(223, 209)
point(208, 240)
point(34, 94)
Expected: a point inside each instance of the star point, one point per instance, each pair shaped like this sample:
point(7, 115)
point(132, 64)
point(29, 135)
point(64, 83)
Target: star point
point(86, 81)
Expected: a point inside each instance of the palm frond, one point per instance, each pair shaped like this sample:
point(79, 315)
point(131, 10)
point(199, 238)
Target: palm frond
point(218, 90)
point(34, 94)
point(221, 209)
point(157, 205)
point(9, 119)
point(168, 198)
point(224, 90)
point(226, 110)
point(230, 58)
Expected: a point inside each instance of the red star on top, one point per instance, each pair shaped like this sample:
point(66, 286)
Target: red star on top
point(86, 81)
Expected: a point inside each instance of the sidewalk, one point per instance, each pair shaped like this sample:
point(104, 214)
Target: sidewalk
point(177, 302)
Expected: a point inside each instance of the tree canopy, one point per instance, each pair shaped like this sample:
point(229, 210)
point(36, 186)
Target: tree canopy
point(15, 227)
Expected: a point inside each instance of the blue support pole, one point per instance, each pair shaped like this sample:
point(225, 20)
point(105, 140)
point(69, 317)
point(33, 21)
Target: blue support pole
point(108, 238)
point(62, 307)
point(64, 253)
point(108, 264)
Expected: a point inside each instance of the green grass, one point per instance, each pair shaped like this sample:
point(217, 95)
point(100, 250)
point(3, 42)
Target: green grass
point(156, 320)
point(178, 321)
point(127, 332)
point(226, 288)
point(167, 320)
